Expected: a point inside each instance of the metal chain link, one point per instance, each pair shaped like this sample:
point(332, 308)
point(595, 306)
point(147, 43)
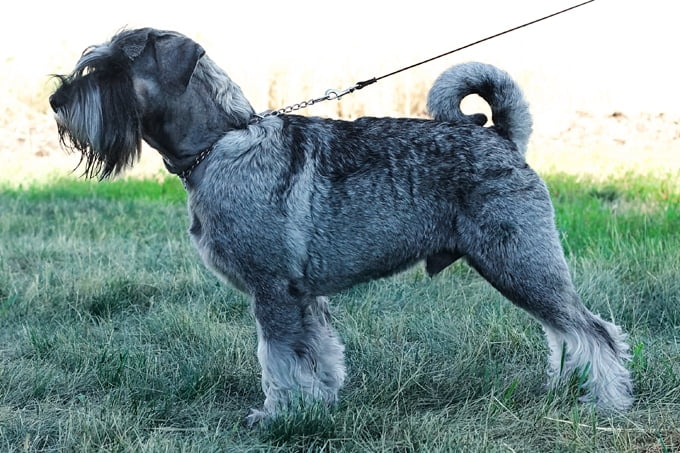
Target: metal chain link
point(328, 95)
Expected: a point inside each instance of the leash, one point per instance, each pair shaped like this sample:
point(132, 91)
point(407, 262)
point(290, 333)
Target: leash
point(337, 94)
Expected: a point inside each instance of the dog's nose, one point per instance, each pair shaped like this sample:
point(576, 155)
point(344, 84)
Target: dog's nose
point(54, 102)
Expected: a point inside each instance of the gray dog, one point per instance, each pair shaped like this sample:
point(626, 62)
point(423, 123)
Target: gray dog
point(290, 209)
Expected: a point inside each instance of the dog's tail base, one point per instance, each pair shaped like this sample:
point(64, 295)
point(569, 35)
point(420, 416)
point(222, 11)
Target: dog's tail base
point(509, 109)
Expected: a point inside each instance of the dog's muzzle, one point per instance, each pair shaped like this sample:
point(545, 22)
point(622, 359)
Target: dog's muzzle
point(56, 101)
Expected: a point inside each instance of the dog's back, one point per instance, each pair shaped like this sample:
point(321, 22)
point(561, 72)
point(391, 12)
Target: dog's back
point(398, 183)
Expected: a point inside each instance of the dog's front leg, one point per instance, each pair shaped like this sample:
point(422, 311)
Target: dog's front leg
point(300, 354)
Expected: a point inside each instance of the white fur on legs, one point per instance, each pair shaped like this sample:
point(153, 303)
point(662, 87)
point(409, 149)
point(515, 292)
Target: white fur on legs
point(310, 369)
point(600, 348)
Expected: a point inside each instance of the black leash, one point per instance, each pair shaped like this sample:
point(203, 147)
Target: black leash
point(365, 83)
point(337, 94)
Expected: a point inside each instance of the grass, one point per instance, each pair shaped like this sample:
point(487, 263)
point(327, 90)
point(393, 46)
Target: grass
point(113, 337)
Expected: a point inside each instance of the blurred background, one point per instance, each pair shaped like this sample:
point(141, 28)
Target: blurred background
point(601, 80)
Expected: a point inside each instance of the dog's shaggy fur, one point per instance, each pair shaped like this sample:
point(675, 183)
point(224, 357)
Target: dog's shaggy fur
point(291, 209)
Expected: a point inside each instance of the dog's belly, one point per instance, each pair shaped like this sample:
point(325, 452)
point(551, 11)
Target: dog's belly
point(345, 278)
point(372, 248)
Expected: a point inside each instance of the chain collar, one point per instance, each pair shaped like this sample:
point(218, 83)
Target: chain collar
point(185, 174)
point(257, 117)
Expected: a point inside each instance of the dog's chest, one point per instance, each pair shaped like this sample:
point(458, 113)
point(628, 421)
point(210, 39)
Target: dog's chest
point(216, 252)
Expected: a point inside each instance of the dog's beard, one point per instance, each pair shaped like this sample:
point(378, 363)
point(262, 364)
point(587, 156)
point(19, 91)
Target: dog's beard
point(102, 124)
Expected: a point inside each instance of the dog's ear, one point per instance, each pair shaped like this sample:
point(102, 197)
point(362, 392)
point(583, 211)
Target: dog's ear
point(176, 57)
point(133, 43)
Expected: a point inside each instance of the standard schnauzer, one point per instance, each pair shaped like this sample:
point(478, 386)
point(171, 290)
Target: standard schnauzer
point(290, 209)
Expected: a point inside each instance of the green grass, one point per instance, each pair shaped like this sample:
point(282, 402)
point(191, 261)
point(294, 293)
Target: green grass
point(113, 336)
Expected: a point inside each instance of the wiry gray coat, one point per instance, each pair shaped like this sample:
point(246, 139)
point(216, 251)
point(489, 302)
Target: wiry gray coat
point(291, 209)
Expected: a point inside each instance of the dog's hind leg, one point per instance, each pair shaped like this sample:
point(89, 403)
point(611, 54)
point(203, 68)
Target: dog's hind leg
point(300, 353)
point(515, 246)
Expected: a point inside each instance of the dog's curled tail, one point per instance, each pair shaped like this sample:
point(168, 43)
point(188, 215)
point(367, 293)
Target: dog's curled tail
point(509, 110)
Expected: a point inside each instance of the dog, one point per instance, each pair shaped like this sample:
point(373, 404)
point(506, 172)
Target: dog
point(291, 209)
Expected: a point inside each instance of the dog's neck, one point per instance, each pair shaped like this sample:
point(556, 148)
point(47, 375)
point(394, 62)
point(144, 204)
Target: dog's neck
point(191, 171)
point(194, 173)
point(185, 161)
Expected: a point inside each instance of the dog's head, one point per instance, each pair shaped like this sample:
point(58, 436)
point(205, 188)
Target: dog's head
point(121, 92)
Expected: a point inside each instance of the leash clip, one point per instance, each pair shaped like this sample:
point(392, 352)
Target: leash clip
point(337, 94)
